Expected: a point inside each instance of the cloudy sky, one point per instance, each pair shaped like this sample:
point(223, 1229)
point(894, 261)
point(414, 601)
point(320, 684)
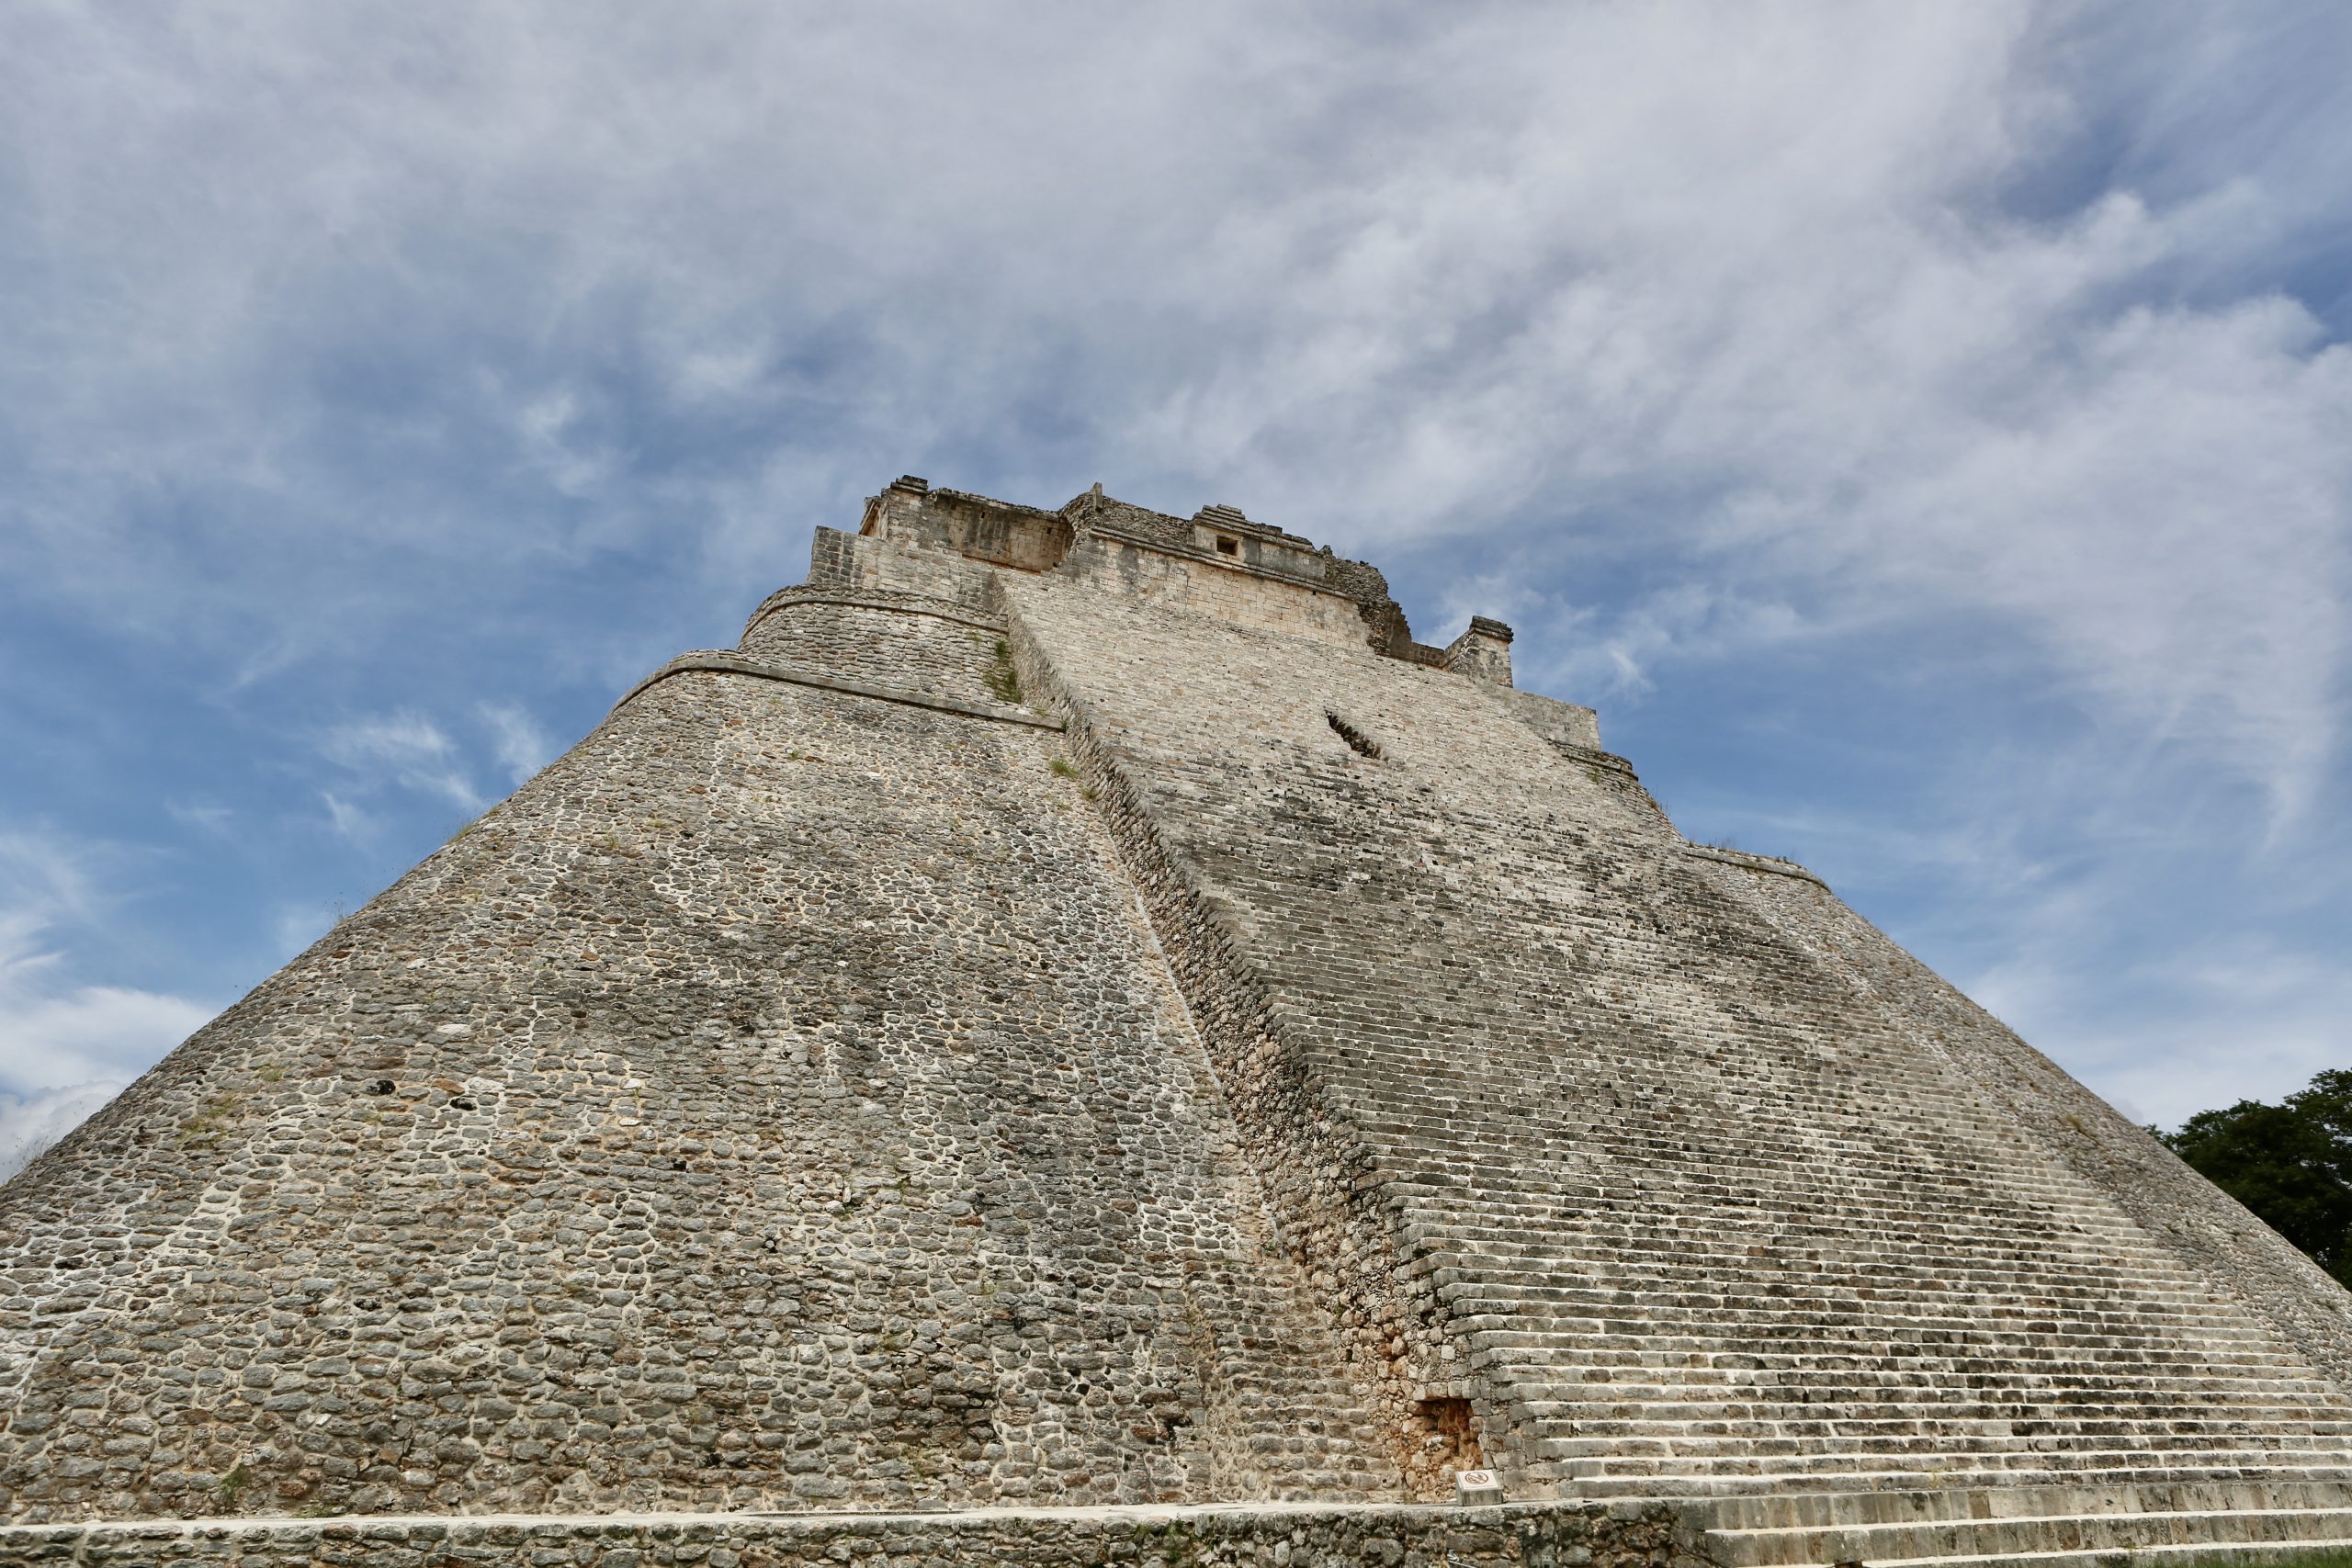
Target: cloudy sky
point(1924, 431)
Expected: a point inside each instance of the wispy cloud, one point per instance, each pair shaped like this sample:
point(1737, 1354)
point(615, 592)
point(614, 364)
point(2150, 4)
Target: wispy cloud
point(66, 1045)
point(200, 815)
point(30, 1122)
point(54, 1033)
point(347, 819)
point(2207, 1029)
point(1744, 274)
point(519, 742)
point(1745, 357)
point(401, 748)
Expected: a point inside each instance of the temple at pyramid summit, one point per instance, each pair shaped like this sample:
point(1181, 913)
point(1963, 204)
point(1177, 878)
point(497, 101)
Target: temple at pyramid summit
point(1079, 1040)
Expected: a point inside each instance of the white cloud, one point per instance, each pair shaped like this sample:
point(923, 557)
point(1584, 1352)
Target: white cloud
point(551, 444)
point(1600, 658)
point(203, 816)
point(65, 1047)
point(2253, 1021)
point(517, 741)
point(347, 819)
point(41, 877)
point(404, 748)
point(1833, 320)
point(54, 1033)
point(1743, 269)
point(30, 1122)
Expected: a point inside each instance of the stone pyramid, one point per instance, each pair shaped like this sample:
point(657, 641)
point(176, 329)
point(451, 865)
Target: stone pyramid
point(1079, 1030)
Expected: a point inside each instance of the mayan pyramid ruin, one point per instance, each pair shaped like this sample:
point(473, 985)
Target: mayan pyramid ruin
point(1080, 1041)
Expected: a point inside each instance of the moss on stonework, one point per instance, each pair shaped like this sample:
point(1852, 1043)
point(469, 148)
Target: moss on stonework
point(1003, 679)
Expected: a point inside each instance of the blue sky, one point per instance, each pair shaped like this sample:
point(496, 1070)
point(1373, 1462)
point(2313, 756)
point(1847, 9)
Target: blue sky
point(1924, 432)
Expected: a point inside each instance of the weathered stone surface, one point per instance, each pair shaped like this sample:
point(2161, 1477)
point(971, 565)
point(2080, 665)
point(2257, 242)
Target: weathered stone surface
point(1081, 1007)
point(776, 1104)
point(1273, 1536)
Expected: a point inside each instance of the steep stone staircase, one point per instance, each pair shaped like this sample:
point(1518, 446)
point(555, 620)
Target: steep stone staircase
point(1814, 1289)
point(1693, 1215)
point(2248, 1520)
point(2013, 1371)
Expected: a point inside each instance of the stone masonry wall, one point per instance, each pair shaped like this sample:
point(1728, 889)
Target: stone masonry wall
point(1266, 1537)
point(777, 1103)
point(1126, 574)
point(1103, 1036)
point(1573, 1134)
point(915, 573)
point(954, 657)
point(1305, 1149)
point(2186, 1214)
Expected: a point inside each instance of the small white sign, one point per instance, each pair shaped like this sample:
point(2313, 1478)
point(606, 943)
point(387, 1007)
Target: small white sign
point(1476, 1486)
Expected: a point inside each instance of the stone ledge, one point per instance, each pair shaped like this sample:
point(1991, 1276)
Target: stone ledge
point(1592, 758)
point(786, 598)
point(1748, 861)
point(736, 664)
point(1210, 557)
point(1280, 1535)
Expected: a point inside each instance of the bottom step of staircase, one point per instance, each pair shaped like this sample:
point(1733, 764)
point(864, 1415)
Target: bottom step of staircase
point(2054, 1526)
point(2208, 1556)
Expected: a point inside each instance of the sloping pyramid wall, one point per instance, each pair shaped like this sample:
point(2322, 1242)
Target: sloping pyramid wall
point(1091, 1030)
point(776, 1104)
point(1698, 1184)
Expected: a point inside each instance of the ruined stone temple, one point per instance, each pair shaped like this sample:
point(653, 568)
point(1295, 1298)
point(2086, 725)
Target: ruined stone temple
point(1077, 1017)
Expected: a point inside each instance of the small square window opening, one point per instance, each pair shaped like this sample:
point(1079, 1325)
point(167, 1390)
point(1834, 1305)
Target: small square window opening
point(1229, 547)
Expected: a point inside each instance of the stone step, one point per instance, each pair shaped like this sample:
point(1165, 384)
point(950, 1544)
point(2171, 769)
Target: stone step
point(1747, 1197)
point(1820, 1510)
point(1699, 1243)
point(1562, 1335)
point(1936, 1407)
point(1951, 1318)
point(1979, 1539)
point(2006, 1417)
point(1789, 1241)
point(2113, 1367)
point(2047, 1342)
point(1793, 1214)
point(1828, 1431)
point(1638, 1474)
point(2237, 1555)
point(1779, 1240)
point(1984, 1378)
point(1593, 1263)
point(1791, 1420)
point(1597, 1260)
point(1566, 1274)
point(2270, 1469)
point(1788, 1212)
point(1700, 1447)
point(1937, 1337)
point(1634, 1353)
point(1609, 1168)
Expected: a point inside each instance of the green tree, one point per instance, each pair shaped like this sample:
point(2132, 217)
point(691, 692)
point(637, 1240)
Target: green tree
point(2292, 1163)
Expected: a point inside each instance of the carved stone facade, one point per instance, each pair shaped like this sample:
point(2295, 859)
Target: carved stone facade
point(1081, 1007)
